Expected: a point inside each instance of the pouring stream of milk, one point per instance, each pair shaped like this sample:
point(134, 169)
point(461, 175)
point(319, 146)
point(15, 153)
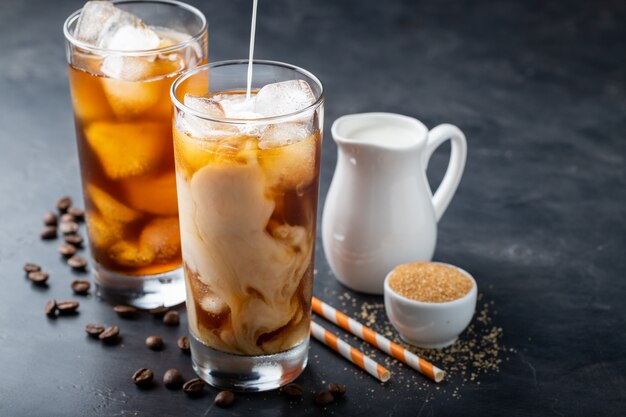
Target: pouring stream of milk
point(252, 32)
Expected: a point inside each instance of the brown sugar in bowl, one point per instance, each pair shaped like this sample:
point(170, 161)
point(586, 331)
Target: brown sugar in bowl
point(430, 303)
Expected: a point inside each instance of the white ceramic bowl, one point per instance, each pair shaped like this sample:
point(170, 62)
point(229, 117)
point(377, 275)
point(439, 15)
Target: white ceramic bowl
point(430, 325)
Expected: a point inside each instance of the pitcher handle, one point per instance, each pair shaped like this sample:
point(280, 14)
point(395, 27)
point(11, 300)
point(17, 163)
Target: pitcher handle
point(458, 154)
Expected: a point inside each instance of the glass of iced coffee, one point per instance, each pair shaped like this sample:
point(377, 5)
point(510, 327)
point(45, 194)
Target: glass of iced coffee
point(247, 173)
point(123, 57)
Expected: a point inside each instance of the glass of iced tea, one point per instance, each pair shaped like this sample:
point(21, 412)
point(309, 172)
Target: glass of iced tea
point(247, 172)
point(123, 57)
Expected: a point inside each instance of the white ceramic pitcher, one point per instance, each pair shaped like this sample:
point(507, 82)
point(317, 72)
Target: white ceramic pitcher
point(380, 211)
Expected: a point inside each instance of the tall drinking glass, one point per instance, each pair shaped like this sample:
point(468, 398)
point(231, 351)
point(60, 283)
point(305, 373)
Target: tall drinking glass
point(247, 194)
point(123, 116)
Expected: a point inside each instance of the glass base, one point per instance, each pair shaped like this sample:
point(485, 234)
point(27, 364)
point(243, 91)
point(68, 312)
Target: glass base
point(248, 373)
point(145, 292)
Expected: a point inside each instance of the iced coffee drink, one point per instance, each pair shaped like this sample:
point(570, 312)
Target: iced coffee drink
point(247, 172)
point(123, 58)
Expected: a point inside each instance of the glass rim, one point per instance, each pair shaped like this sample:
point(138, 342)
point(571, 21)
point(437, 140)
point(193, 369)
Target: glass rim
point(238, 121)
point(141, 52)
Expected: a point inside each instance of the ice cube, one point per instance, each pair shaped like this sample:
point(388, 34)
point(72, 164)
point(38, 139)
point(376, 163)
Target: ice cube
point(93, 18)
point(103, 233)
point(161, 237)
point(212, 304)
point(191, 153)
point(201, 128)
point(129, 34)
point(236, 106)
point(128, 149)
point(103, 25)
point(283, 98)
point(205, 105)
point(109, 207)
point(130, 254)
point(154, 195)
point(284, 134)
point(134, 85)
point(129, 99)
point(290, 166)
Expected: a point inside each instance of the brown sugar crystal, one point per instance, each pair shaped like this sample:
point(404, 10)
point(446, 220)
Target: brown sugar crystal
point(429, 282)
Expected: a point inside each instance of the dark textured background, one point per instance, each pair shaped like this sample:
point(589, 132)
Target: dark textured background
point(539, 218)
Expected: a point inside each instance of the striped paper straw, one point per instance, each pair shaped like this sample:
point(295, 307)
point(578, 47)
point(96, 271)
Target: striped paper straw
point(353, 355)
point(375, 339)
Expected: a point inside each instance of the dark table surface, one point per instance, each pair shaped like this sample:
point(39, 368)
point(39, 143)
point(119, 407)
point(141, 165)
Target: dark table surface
point(539, 218)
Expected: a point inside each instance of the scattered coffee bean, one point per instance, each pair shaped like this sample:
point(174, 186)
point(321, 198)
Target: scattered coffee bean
point(31, 267)
point(293, 390)
point(224, 399)
point(193, 387)
point(94, 330)
point(78, 213)
point(68, 228)
point(159, 311)
point(77, 262)
point(81, 286)
point(64, 203)
point(125, 311)
point(67, 250)
point(74, 239)
point(68, 307)
point(50, 308)
point(66, 218)
point(183, 343)
point(171, 318)
point(110, 334)
point(50, 219)
point(38, 277)
point(143, 377)
point(154, 343)
point(173, 379)
point(338, 390)
point(323, 398)
point(50, 232)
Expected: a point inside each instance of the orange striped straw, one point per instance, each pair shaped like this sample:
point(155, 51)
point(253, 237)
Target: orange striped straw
point(375, 339)
point(353, 355)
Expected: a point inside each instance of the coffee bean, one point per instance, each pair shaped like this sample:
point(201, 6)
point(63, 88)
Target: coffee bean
point(338, 390)
point(67, 307)
point(77, 262)
point(50, 219)
point(154, 343)
point(110, 334)
point(173, 379)
point(293, 390)
point(125, 311)
point(50, 308)
point(64, 203)
point(193, 387)
point(183, 344)
point(171, 318)
point(81, 286)
point(143, 377)
point(323, 398)
point(68, 228)
point(31, 267)
point(94, 330)
point(224, 399)
point(38, 277)
point(159, 311)
point(66, 218)
point(50, 232)
point(78, 213)
point(67, 250)
point(74, 239)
